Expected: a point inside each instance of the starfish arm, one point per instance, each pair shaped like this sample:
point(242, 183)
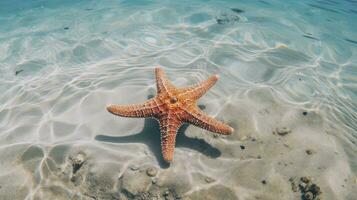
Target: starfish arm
point(169, 126)
point(162, 83)
point(147, 109)
point(197, 91)
point(201, 119)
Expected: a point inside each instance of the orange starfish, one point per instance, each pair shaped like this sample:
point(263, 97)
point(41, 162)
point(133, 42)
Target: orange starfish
point(172, 107)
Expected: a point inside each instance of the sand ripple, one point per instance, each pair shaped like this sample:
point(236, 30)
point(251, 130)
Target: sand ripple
point(61, 65)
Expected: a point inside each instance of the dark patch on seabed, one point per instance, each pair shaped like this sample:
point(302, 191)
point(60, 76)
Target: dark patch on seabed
point(229, 17)
point(330, 2)
point(310, 37)
point(264, 2)
point(237, 10)
point(225, 19)
point(352, 41)
point(323, 8)
point(18, 72)
point(351, 1)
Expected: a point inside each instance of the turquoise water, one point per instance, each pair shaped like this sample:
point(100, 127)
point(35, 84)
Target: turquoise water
point(40, 37)
point(62, 61)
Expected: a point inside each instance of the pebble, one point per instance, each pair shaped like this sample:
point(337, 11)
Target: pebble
point(283, 131)
point(310, 151)
point(308, 196)
point(134, 167)
point(226, 18)
point(79, 159)
point(294, 187)
point(18, 71)
point(209, 180)
point(77, 162)
point(309, 191)
point(305, 179)
point(151, 171)
point(166, 193)
point(315, 189)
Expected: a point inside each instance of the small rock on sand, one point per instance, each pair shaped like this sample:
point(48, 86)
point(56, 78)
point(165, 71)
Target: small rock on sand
point(134, 167)
point(309, 190)
point(310, 151)
point(151, 171)
point(78, 161)
point(209, 180)
point(305, 179)
point(308, 196)
point(294, 186)
point(282, 131)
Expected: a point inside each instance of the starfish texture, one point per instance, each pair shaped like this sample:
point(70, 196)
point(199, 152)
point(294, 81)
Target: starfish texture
point(172, 107)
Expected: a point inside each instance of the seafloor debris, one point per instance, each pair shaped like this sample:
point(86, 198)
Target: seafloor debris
point(237, 10)
point(309, 35)
point(18, 72)
point(294, 186)
point(151, 171)
point(77, 162)
point(282, 131)
point(308, 190)
point(134, 167)
point(310, 151)
point(230, 16)
point(226, 18)
point(209, 180)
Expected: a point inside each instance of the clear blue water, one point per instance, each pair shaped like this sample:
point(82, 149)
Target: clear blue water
point(59, 58)
point(318, 64)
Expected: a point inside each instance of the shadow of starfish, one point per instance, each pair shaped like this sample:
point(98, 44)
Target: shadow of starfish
point(150, 135)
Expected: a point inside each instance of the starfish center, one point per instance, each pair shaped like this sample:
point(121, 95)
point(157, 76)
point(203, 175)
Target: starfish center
point(173, 100)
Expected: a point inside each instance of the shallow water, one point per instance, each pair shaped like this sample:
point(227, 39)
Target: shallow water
point(62, 62)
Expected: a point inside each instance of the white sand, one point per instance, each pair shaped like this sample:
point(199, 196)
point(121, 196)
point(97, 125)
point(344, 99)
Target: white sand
point(50, 135)
point(57, 141)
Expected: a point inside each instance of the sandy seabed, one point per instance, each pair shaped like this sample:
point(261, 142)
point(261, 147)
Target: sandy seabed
point(291, 102)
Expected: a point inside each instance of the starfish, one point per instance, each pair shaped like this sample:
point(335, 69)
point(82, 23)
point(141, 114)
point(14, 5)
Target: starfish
point(172, 107)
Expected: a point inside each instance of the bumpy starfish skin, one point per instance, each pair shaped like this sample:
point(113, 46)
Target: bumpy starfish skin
point(172, 107)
